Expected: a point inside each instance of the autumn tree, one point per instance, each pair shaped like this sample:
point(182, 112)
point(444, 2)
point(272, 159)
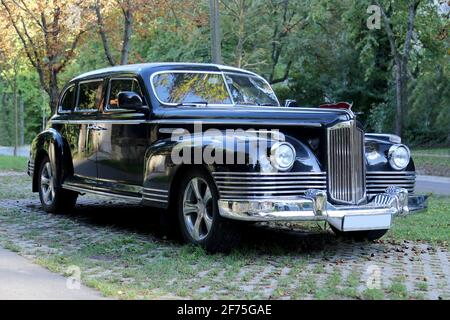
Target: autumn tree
point(49, 32)
point(400, 42)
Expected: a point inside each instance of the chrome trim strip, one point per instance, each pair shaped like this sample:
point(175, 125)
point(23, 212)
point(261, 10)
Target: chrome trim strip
point(57, 121)
point(270, 173)
point(269, 178)
point(156, 190)
point(391, 173)
point(237, 122)
point(269, 192)
point(60, 110)
point(257, 185)
point(252, 183)
point(100, 193)
point(181, 121)
point(154, 200)
point(154, 195)
point(295, 187)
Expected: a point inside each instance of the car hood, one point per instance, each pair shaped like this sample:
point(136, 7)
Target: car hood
point(313, 117)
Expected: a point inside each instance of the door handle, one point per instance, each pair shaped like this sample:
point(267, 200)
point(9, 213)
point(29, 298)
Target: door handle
point(96, 128)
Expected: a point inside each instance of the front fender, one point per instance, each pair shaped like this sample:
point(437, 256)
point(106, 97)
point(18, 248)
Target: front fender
point(215, 151)
point(376, 152)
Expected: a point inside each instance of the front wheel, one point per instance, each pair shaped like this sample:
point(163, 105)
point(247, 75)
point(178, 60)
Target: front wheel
point(53, 199)
point(368, 235)
point(198, 214)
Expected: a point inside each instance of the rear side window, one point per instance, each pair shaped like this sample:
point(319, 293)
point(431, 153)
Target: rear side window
point(68, 99)
point(118, 85)
point(90, 95)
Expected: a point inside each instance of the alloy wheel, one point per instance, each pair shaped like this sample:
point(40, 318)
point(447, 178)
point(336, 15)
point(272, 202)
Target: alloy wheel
point(47, 184)
point(198, 208)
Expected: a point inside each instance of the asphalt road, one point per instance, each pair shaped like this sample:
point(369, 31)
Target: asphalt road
point(435, 185)
point(22, 280)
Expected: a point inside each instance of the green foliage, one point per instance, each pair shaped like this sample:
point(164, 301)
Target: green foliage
point(325, 46)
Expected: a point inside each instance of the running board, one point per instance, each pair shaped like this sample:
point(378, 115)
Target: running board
point(101, 193)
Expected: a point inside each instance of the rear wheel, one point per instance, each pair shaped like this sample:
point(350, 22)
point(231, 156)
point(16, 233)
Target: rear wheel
point(198, 214)
point(368, 235)
point(53, 199)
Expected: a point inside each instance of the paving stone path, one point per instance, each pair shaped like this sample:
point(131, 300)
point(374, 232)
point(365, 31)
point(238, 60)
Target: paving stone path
point(419, 265)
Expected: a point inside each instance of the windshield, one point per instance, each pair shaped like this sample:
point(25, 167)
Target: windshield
point(187, 88)
point(248, 90)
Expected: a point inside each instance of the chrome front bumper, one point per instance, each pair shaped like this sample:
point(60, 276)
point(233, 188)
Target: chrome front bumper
point(313, 206)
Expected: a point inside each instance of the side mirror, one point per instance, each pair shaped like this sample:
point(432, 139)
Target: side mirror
point(129, 100)
point(290, 103)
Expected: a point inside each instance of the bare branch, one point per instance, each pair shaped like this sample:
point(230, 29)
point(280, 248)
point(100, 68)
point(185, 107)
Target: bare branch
point(409, 33)
point(101, 29)
point(389, 32)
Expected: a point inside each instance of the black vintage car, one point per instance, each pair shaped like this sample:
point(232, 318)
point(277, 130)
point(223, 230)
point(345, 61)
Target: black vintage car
point(212, 145)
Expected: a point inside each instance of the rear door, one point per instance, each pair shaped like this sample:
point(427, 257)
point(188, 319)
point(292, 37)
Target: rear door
point(123, 139)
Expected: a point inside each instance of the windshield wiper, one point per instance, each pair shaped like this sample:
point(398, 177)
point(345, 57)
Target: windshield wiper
point(267, 105)
point(193, 104)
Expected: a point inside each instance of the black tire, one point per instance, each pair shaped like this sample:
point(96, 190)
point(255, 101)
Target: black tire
point(222, 234)
point(369, 235)
point(53, 199)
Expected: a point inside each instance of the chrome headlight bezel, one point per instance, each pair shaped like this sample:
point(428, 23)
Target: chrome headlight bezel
point(393, 150)
point(274, 156)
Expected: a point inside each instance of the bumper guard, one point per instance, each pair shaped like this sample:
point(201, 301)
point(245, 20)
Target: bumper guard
point(313, 206)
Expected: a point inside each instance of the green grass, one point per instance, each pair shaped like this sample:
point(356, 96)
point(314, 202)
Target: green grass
point(435, 161)
point(431, 226)
point(9, 163)
point(434, 151)
point(15, 187)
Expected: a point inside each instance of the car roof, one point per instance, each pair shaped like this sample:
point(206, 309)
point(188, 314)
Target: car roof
point(145, 68)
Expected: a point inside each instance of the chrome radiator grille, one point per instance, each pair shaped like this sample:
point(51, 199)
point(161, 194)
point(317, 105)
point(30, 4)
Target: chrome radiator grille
point(245, 185)
point(379, 181)
point(346, 166)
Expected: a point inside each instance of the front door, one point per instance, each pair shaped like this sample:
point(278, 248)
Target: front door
point(123, 138)
point(83, 123)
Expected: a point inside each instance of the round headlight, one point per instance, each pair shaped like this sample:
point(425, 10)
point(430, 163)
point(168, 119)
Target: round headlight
point(282, 156)
point(399, 156)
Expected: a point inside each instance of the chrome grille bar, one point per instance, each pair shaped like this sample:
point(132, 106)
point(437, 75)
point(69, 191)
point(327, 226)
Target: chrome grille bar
point(243, 185)
point(346, 166)
point(379, 181)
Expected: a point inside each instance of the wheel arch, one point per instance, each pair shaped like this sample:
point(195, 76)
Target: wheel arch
point(51, 144)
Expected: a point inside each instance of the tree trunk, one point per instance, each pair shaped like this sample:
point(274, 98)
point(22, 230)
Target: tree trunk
point(241, 34)
point(5, 120)
point(21, 122)
point(16, 120)
point(126, 46)
point(53, 92)
point(399, 101)
point(215, 31)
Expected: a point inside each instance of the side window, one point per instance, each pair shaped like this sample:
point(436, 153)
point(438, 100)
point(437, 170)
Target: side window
point(68, 99)
point(118, 85)
point(90, 95)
